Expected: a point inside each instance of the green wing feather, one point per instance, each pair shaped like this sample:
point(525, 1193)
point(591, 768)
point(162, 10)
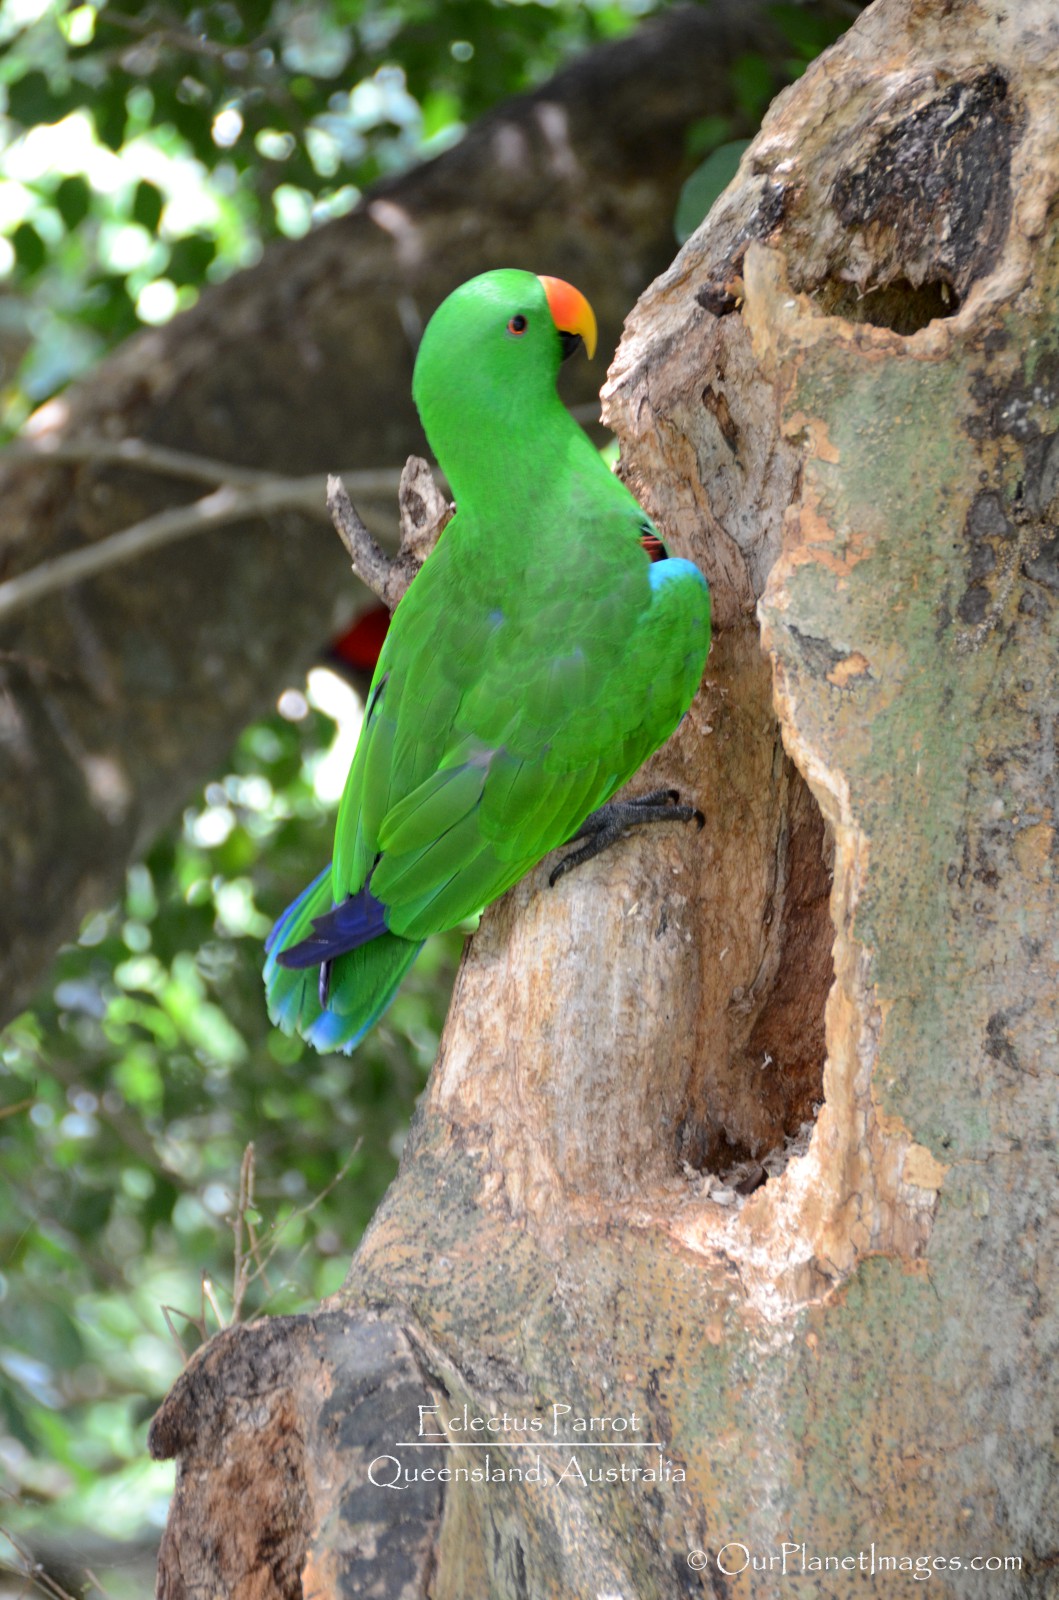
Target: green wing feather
point(510, 710)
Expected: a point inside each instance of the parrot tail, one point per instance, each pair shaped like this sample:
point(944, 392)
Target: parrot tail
point(360, 986)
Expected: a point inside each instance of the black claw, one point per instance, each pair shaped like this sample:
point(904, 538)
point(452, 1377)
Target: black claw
point(324, 989)
point(657, 797)
point(606, 826)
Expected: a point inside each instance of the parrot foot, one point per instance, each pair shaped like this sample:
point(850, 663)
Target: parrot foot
point(606, 826)
point(324, 990)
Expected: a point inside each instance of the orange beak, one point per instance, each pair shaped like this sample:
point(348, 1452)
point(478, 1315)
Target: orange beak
point(570, 311)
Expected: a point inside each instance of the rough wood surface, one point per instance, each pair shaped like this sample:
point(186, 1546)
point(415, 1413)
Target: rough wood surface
point(121, 695)
point(843, 399)
point(287, 1417)
point(424, 512)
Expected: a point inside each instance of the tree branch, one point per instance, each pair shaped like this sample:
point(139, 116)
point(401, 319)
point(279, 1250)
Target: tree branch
point(370, 563)
point(241, 493)
point(424, 512)
point(171, 463)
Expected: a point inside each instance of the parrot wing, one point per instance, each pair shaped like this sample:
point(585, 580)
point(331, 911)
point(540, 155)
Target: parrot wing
point(492, 731)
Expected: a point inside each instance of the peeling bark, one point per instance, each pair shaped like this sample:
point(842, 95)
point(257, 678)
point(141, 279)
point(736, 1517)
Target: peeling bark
point(843, 400)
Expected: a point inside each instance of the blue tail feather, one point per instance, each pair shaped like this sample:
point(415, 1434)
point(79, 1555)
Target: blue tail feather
point(364, 979)
point(357, 921)
point(286, 918)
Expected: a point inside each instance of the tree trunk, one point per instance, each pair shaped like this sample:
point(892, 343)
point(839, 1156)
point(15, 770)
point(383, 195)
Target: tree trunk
point(747, 1140)
point(121, 695)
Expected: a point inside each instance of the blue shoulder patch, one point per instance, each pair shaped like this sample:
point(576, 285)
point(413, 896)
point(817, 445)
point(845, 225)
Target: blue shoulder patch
point(674, 567)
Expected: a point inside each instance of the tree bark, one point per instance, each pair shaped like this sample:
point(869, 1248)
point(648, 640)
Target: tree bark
point(842, 399)
point(122, 694)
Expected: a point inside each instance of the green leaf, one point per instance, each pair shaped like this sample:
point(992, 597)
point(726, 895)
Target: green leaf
point(33, 98)
point(195, 124)
point(30, 250)
point(109, 307)
point(148, 202)
point(705, 185)
point(706, 134)
point(190, 257)
point(752, 83)
point(73, 201)
point(109, 115)
point(806, 30)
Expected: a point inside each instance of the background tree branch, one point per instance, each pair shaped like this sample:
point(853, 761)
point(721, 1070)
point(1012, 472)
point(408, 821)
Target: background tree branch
point(250, 495)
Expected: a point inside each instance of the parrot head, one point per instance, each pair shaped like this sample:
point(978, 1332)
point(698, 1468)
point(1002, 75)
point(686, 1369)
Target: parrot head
point(492, 351)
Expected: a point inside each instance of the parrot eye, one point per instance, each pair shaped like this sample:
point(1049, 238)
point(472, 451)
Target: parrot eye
point(517, 325)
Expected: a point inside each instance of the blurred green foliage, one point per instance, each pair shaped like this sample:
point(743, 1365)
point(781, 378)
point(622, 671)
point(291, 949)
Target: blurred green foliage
point(145, 151)
point(127, 1097)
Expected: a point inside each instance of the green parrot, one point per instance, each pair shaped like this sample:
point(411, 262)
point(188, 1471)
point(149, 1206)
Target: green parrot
point(544, 650)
